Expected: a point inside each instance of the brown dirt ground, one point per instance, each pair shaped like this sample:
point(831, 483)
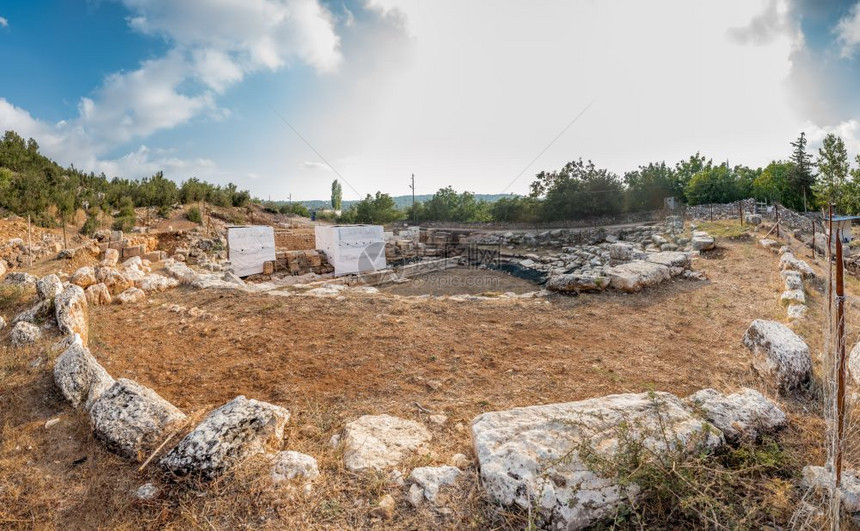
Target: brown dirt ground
point(330, 361)
point(462, 280)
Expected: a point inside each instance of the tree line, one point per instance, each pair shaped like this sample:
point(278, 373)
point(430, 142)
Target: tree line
point(32, 184)
point(581, 190)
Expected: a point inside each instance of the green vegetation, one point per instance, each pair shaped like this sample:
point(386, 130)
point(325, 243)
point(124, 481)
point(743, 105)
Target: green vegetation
point(193, 215)
point(31, 183)
point(336, 195)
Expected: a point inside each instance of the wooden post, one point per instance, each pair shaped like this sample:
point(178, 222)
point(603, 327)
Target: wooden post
point(776, 206)
point(741, 213)
point(813, 239)
point(840, 353)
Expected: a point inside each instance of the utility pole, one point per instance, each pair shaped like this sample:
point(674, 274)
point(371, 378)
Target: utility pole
point(412, 186)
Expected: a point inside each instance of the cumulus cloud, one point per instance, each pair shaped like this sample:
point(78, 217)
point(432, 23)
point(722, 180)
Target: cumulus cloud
point(145, 161)
point(774, 21)
point(213, 46)
point(4, 22)
point(848, 32)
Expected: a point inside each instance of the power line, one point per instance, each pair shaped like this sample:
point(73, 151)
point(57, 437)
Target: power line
point(563, 131)
point(314, 150)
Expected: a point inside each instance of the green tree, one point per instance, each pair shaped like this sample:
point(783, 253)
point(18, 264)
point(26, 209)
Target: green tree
point(336, 195)
point(448, 205)
point(686, 169)
point(579, 190)
point(801, 178)
point(833, 168)
point(378, 209)
point(775, 185)
point(714, 184)
point(648, 186)
point(516, 209)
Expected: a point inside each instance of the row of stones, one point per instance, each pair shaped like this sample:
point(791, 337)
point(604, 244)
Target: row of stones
point(793, 271)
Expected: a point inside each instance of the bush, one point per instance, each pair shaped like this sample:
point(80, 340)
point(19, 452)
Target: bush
point(123, 223)
point(91, 225)
point(193, 214)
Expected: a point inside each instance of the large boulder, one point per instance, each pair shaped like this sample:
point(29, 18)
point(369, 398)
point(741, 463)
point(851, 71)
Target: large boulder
point(620, 252)
point(98, 295)
point(235, 431)
point(747, 414)
point(111, 257)
point(702, 241)
point(19, 278)
point(84, 277)
point(38, 313)
point(778, 353)
point(79, 376)
point(113, 279)
point(788, 262)
point(530, 456)
point(48, 287)
point(634, 276)
point(822, 480)
point(576, 283)
point(70, 308)
point(131, 296)
point(153, 283)
point(378, 442)
point(676, 261)
point(24, 334)
point(131, 419)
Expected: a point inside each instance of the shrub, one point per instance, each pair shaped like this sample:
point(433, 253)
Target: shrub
point(193, 214)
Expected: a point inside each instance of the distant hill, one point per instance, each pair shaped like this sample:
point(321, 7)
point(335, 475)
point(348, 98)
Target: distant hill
point(402, 201)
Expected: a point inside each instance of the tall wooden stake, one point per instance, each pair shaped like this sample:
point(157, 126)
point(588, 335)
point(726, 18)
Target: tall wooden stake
point(776, 206)
point(840, 352)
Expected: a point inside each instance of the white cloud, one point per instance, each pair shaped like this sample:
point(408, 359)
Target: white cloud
point(316, 165)
point(848, 130)
point(145, 161)
point(774, 21)
point(214, 45)
point(135, 104)
point(248, 35)
point(4, 22)
point(848, 31)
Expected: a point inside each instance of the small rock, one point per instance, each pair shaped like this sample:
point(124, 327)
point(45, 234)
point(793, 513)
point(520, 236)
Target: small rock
point(438, 420)
point(460, 461)
point(24, 333)
point(52, 422)
point(146, 492)
point(381, 441)
point(432, 478)
point(385, 508)
point(434, 385)
point(289, 465)
point(415, 496)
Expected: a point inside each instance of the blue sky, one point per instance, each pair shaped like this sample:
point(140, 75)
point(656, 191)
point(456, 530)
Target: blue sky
point(461, 93)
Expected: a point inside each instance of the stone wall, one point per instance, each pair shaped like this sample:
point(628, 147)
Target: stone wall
point(720, 210)
point(295, 239)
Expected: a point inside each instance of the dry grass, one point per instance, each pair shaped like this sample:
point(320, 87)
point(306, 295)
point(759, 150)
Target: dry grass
point(330, 361)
